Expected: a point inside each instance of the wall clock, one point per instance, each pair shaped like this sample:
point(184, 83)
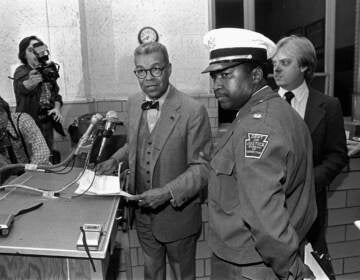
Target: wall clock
point(148, 34)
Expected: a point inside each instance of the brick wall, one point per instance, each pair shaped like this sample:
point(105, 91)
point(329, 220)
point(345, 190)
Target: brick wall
point(344, 205)
point(342, 236)
point(72, 111)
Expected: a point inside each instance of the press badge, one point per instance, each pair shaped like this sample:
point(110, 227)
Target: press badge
point(255, 145)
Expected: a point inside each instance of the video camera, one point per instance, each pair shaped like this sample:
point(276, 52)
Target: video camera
point(48, 69)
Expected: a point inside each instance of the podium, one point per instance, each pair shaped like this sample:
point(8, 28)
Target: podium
point(42, 243)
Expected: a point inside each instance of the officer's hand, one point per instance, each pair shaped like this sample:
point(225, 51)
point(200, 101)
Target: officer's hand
point(152, 198)
point(34, 79)
point(106, 167)
point(56, 114)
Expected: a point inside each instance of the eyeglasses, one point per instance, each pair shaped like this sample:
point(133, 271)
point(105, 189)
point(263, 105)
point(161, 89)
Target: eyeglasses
point(155, 72)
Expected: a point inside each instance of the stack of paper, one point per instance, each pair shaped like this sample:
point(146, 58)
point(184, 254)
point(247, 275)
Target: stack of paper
point(100, 185)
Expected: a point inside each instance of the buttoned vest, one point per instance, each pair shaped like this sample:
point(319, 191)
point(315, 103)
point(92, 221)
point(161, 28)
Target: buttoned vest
point(143, 155)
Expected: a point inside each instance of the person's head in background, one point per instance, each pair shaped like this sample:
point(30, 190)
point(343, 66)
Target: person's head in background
point(152, 68)
point(294, 62)
point(26, 51)
point(4, 113)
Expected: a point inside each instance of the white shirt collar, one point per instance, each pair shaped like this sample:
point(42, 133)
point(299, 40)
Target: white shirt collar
point(299, 93)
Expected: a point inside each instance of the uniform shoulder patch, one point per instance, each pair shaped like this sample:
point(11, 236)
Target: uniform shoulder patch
point(255, 145)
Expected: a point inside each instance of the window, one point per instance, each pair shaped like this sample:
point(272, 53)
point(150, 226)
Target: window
point(344, 53)
point(228, 13)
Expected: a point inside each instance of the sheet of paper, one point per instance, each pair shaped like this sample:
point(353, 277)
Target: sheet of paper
point(357, 224)
point(101, 185)
point(313, 264)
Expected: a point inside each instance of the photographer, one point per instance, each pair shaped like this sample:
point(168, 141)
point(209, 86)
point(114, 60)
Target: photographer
point(36, 89)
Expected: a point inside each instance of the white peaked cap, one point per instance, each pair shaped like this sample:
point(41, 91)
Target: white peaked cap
point(230, 46)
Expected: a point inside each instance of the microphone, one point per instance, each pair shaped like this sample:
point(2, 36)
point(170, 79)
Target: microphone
point(94, 120)
point(111, 121)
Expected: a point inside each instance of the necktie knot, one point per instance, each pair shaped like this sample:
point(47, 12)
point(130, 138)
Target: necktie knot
point(288, 96)
point(147, 105)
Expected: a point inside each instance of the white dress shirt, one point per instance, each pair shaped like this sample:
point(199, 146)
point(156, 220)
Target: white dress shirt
point(301, 95)
point(153, 115)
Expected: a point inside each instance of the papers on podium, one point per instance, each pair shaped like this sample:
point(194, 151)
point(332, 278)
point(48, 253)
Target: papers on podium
point(100, 185)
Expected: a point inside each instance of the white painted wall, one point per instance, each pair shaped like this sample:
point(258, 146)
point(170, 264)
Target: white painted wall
point(94, 40)
point(57, 24)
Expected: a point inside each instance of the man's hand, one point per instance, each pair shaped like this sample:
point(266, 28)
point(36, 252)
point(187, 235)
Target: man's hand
point(152, 198)
point(106, 167)
point(34, 79)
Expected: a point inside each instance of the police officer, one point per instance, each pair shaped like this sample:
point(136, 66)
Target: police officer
point(261, 189)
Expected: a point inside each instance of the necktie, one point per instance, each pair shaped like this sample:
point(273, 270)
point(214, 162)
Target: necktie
point(150, 105)
point(288, 96)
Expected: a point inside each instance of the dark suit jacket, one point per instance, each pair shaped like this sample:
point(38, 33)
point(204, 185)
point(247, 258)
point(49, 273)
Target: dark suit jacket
point(324, 118)
point(179, 151)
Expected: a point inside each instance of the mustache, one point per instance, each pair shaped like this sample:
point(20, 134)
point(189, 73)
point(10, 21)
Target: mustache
point(219, 93)
point(151, 84)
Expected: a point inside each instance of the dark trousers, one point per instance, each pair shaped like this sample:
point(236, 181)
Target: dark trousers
point(180, 253)
point(221, 270)
point(46, 128)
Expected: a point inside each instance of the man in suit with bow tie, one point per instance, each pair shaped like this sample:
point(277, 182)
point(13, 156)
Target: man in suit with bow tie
point(169, 142)
point(294, 65)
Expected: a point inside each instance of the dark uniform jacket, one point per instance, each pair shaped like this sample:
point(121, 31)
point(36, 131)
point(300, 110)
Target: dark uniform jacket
point(261, 188)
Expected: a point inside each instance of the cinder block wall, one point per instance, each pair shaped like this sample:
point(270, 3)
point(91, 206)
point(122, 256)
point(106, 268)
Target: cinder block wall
point(344, 203)
point(342, 236)
point(73, 111)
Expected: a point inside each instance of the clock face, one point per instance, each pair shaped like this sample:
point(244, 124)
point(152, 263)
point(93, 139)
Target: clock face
point(148, 34)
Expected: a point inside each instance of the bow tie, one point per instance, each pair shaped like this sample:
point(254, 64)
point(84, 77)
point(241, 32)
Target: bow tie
point(150, 105)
